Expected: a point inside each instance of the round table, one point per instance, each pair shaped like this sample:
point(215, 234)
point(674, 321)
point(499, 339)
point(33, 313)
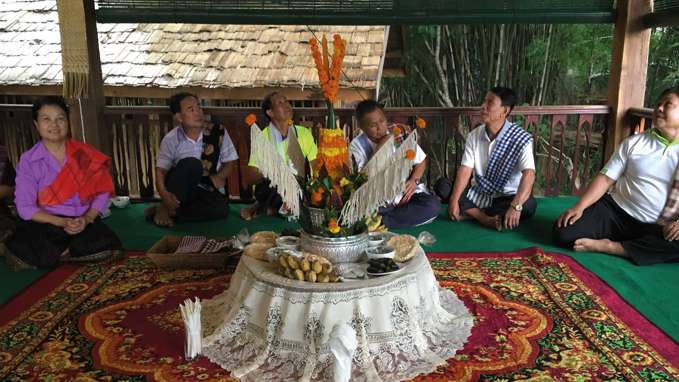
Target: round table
point(269, 328)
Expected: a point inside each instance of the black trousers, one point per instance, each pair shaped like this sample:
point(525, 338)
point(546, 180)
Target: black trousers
point(42, 244)
point(267, 197)
point(7, 223)
point(421, 208)
point(499, 206)
point(197, 203)
point(605, 219)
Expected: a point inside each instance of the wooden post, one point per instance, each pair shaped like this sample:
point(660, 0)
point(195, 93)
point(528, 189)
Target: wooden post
point(627, 84)
point(87, 114)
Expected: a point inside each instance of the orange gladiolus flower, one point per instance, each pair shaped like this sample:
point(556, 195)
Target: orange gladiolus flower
point(410, 155)
point(329, 68)
point(333, 227)
point(420, 123)
point(250, 119)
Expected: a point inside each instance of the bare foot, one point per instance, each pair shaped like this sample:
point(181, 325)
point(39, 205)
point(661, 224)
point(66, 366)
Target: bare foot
point(162, 217)
point(248, 213)
point(491, 222)
point(601, 245)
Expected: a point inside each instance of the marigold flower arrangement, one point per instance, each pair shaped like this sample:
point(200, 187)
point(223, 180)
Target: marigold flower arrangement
point(333, 180)
point(336, 191)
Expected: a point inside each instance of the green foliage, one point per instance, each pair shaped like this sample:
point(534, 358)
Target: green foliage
point(575, 60)
point(663, 62)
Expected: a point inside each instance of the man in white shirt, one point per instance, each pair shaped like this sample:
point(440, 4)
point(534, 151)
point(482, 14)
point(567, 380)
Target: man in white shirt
point(499, 155)
point(415, 206)
point(194, 162)
point(626, 221)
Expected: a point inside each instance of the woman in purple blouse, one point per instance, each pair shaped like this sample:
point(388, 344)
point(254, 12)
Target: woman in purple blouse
point(62, 186)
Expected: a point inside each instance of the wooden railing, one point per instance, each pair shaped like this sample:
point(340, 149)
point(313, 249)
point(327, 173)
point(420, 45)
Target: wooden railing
point(568, 140)
point(640, 119)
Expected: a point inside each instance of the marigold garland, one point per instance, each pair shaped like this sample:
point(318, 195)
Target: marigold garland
point(410, 155)
point(396, 131)
point(333, 227)
point(420, 123)
point(250, 119)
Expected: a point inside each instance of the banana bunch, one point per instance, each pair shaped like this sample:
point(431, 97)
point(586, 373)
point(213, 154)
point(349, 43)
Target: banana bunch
point(374, 223)
point(304, 269)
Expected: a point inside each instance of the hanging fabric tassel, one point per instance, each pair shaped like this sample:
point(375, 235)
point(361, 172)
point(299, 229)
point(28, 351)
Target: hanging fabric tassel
point(383, 186)
point(275, 169)
point(74, 60)
point(381, 159)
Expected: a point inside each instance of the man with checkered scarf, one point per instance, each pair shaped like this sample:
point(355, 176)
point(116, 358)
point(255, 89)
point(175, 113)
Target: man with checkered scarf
point(499, 155)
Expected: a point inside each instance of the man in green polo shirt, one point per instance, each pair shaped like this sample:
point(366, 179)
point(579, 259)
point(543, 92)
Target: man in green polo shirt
point(278, 111)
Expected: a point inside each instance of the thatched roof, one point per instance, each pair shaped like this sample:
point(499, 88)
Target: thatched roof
point(181, 55)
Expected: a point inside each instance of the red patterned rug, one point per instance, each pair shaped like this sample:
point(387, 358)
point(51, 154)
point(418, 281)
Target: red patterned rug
point(539, 317)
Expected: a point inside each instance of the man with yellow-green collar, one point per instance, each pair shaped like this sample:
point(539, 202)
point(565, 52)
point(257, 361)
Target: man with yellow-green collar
point(628, 220)
point(278, 111)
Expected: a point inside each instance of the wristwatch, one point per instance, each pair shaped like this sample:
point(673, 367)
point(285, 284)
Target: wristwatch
point(517, 207)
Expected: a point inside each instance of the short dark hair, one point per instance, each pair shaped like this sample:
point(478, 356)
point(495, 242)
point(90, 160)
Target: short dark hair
point(267, 103)
point(671, 90)
point(506, 95)
point(367, 106)
point(175, 101)
point(48, 100)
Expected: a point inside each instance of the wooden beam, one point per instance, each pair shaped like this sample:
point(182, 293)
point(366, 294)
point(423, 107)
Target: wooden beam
point(87, 114)
point(41, 90)
point(661, 19)
point(258, 93)
point(295, 94)
point(627, 84)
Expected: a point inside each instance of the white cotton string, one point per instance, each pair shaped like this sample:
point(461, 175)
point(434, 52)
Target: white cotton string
point(383, 186)
point(381, 159)
point(274, 168)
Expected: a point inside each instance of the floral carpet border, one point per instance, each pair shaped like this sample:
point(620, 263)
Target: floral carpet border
point(602, 293)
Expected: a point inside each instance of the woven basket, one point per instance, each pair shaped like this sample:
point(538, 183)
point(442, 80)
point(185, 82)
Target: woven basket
point(163, 256)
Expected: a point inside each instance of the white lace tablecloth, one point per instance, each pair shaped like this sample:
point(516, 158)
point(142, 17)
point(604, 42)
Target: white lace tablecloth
point(269, 328)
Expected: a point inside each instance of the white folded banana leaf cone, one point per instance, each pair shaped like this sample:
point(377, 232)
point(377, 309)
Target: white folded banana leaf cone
point(272, 167)
point(387, 172)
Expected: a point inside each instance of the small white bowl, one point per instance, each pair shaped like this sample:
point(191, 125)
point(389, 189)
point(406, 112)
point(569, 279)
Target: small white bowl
point(380, 252)
point(121, 201)
point(375, 239)
point(288, 242)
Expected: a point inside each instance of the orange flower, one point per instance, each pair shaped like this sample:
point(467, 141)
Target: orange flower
point(329, 68)
point(317, 198)
point(333, 227)
point(420, 123)
point(410, 155)
point(396, 131)
point(289, 121)
point(250, 119)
